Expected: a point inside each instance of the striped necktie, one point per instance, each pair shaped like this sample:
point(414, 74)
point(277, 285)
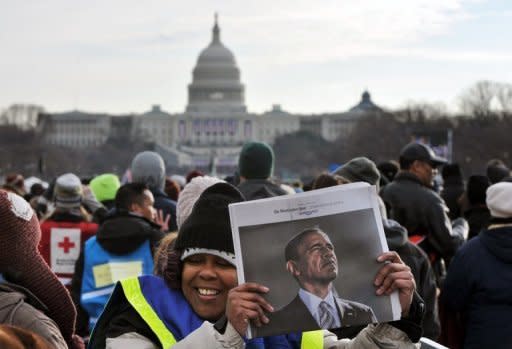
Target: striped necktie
point(326, 318)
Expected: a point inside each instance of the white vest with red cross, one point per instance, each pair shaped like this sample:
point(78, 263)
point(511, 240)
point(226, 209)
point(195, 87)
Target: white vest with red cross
point(61, 243)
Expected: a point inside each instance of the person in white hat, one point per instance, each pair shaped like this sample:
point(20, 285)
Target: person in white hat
point(479, 280)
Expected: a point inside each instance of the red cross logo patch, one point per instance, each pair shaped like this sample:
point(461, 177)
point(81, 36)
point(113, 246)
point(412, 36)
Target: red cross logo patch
point(66, 244)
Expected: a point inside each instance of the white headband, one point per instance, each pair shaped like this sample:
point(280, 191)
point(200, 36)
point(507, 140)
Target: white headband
point(227, 256)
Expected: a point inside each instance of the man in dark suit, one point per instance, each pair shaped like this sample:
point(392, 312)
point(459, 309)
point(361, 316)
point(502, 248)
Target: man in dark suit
point(311, 259)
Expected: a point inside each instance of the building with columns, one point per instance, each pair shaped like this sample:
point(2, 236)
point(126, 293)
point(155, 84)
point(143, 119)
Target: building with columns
point(214, 125)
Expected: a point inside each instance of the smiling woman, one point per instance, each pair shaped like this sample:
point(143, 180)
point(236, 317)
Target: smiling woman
point(206, 280)
point(181, 308)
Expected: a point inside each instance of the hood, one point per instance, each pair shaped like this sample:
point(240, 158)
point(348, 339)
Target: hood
point(396, 235)
point(159, 194)
point(125, 232)
point(12, 294)
point(67, 216)
point(254, 189)
point(499, 242)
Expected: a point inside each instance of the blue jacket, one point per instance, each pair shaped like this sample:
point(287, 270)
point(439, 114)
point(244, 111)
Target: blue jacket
point(102, 269)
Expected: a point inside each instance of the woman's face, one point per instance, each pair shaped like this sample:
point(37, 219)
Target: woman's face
point(205, 281)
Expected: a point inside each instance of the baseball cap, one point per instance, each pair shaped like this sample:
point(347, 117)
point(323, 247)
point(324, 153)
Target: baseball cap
point(422, 152)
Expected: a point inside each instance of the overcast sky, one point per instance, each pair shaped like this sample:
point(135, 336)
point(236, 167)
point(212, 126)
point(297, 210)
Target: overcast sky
point(121, 56)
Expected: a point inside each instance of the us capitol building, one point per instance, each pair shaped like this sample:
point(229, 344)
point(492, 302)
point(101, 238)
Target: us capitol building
point(214, 125)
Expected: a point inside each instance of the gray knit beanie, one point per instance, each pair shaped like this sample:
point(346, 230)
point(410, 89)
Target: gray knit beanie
point(360, 169)
point(68, 191)
point(148, 167)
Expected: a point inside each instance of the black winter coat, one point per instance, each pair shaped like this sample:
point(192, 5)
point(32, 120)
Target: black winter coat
point(479, 285)
point(423, 212)
point(417, 260)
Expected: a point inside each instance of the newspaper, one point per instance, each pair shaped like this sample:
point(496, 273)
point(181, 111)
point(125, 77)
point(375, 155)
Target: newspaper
point(324, 244)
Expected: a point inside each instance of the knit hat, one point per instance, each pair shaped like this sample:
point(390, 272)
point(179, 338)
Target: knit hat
point(499, 200)
point(19, 257)
point(476, 189)
point(182, 181)
point(105, 186)
point(148, 167)
point(15, 183)
point(452, 171)
point(360, 169)
point(208, 228)
point(496, 173)
point(190, 194)
point(256, 160)
point(68, 191)
point(389, 169)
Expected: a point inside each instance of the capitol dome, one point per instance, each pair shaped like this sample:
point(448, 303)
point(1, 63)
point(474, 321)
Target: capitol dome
point(366, 104)
point(216, 82)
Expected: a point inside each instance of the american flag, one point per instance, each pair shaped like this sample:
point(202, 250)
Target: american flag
point(196, 126)
point(182, 129)
point(232, 125)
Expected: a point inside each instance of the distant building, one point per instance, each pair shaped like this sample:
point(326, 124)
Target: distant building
point(75, 129)
point(215, 123)
point(22, 115)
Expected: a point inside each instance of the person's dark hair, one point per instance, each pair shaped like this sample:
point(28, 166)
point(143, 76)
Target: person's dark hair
point(192, 174)
point(308, 184)
point(291, 251)
point(17, 338)
point(495, 162)
point(162, 253)
point(129, 194)
point(496, 170)
point(172, 273)
point(476, 189)
point(452, 171)
point(325, 180)
point(172, 188)
point(36, 189)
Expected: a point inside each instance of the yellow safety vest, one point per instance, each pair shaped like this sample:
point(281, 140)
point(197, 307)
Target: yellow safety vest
point(134, 295)
point(312, 340)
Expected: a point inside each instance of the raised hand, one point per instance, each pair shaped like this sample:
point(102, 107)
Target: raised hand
point(245, 303)
point(161, 221)
point(395, 275)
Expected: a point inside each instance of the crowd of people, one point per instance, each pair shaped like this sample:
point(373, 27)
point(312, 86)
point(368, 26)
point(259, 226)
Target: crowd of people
point(147, 261)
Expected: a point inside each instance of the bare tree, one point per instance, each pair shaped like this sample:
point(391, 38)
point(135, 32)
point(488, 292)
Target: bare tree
point(487, 98)
point(476, 100)
point(415, 111)
point(504, 97)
